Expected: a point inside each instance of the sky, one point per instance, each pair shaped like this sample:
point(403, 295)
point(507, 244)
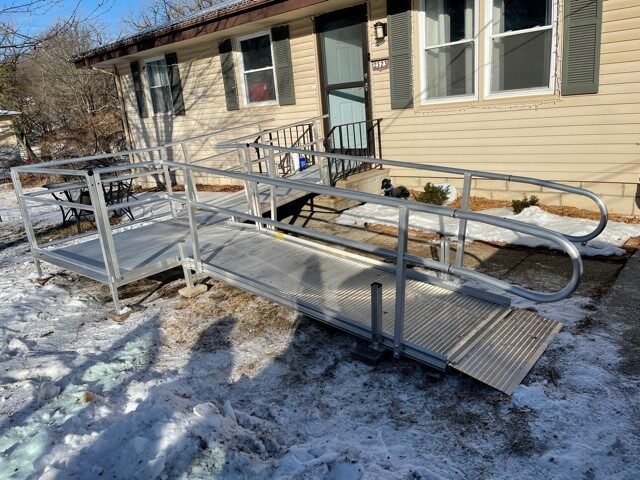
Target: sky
point(109, 13)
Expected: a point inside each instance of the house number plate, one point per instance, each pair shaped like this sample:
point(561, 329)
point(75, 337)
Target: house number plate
point(378, 65)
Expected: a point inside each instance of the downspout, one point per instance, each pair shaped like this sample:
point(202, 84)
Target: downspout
point(125, 119)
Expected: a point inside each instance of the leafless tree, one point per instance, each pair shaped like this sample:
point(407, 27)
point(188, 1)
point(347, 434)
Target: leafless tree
point(16, 39)
point(65, 111)
point(156, 12)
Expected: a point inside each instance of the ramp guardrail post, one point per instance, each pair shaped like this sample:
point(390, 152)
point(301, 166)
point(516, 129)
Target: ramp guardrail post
point(401, 279)
point(167, 179)
point(254, 204)
point(462, 226)
point(190, 197)
point(376, 314)
point(273, 195)
point(325, 175)
point(26, 217)
point(101, 216)
point(183, 147)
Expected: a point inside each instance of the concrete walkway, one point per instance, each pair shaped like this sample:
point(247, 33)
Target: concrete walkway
point(621, 305)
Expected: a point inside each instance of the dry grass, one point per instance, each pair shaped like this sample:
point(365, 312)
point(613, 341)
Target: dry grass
point(212, 188)
point(222, 316)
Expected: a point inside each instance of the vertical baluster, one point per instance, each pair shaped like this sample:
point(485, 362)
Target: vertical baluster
point(379, 140)
point(401, 279)
point(462, 226)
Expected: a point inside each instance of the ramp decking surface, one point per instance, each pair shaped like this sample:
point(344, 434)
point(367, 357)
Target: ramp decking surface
point(494, 343)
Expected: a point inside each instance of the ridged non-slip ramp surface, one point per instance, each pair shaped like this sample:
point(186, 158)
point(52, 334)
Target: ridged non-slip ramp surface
point(507, 349)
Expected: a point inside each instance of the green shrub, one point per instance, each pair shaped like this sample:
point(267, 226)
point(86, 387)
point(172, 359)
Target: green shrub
point(433, 194)
point(519, 205)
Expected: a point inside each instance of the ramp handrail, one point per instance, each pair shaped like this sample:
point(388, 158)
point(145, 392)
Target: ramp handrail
point(604, 214)
point(44, 167)
point(514, 225)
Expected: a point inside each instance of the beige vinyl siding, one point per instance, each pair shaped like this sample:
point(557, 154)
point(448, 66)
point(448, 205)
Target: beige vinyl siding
point(584, 140)
point(7, 135)
point(203, 93)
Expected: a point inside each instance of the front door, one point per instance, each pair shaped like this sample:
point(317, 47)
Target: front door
point(343, 61)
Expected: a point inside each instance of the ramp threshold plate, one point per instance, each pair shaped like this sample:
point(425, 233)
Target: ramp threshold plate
point(493, 343)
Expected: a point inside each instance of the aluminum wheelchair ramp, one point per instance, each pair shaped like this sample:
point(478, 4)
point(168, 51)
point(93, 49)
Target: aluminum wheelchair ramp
point(445, 325)
point(493, 343)
point(414, 313)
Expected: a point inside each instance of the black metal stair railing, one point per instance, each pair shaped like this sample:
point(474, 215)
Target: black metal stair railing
point(360, 139)
point(293, 136)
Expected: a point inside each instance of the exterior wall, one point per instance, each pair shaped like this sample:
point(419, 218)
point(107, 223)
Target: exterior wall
point(7, 135)
point(203, 92)
point(583, 140)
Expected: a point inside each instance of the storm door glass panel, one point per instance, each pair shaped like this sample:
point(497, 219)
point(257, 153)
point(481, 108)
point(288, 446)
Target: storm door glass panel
point(347, 106)
point(343, 55)
point(521, 44)
point(159, 86)
point(449, 48)
point(259, 78)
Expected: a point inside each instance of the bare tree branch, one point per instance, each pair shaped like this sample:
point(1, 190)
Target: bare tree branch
point(157, 12)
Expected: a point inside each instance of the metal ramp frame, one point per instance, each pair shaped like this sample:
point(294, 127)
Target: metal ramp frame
point(429, 317)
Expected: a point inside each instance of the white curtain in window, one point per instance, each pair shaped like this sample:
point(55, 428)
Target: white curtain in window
point(449, 58)
point(497, 26)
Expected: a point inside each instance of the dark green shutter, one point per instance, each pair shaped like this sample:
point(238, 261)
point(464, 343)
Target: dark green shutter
point(400, 63)
point(138, 88)
point(176, 84)
point(284, 67)
point(228, 75)
point(581, 52)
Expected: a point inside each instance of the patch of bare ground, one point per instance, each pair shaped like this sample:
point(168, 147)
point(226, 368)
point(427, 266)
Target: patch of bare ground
point(200, 321)
point(212, 188)
point(519, 439)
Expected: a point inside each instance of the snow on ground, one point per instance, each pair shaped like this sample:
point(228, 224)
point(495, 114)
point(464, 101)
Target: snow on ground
point(42, 216)
point(230, 386)
point(607, 243)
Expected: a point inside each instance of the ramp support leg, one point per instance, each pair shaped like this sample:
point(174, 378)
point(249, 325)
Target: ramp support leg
point(462, 226)
point(191, 290)
point(188, 277)
point(120, 313)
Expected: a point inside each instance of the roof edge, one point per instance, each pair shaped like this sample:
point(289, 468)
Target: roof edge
point(190, 27)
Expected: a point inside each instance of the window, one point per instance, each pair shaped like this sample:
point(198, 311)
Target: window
point(159, 85)
point(520, 45)
point(449, 49)
point(257, 68)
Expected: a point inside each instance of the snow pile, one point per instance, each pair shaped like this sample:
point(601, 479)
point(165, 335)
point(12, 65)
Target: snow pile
point(607, 243)
point(452, 192)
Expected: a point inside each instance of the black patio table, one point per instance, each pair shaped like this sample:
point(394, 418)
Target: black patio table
point(115, 192)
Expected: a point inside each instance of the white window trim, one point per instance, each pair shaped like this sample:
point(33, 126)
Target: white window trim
point(424, 100)
point(523, 92)
point(241, 71)
point(149, 100)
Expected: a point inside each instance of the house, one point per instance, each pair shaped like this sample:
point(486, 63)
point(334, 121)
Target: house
point(542, 88)
point(9, 143)
point(8, 137)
